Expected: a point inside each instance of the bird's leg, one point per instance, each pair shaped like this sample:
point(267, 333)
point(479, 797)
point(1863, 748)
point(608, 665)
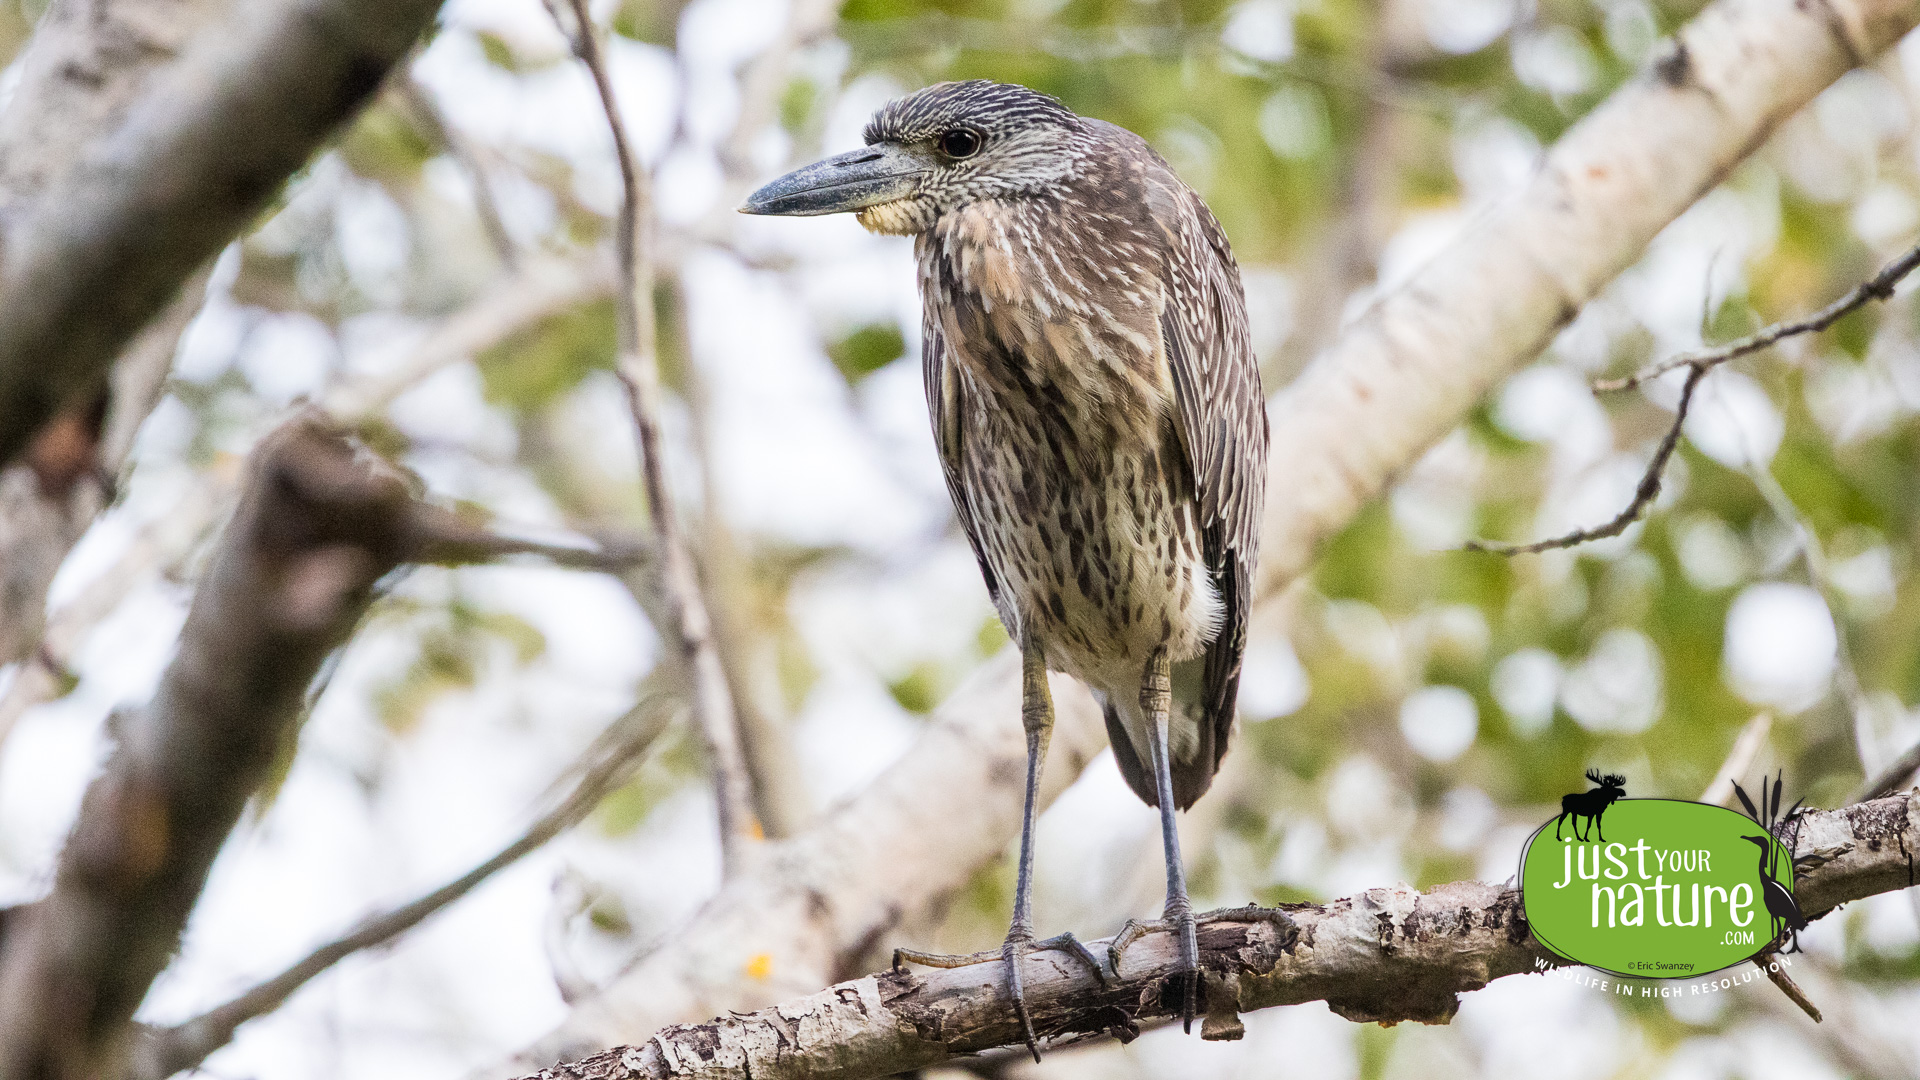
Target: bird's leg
point(1036, 715)
point(1156, 704)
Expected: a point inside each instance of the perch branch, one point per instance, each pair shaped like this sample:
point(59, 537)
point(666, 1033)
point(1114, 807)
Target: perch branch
point(1385, 955)
point(688, 624)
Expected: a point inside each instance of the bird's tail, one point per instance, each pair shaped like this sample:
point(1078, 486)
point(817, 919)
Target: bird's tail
point(1194, 759)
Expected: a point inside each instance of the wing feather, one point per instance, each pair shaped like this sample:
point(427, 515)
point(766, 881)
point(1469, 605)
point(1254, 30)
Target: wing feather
point(1222, 419)
point(947, 408)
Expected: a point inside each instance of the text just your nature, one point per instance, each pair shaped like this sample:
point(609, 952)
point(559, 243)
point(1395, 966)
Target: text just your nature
point(1626, 904)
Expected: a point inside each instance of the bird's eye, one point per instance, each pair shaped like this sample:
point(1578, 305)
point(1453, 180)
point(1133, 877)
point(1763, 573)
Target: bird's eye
point(960, 143)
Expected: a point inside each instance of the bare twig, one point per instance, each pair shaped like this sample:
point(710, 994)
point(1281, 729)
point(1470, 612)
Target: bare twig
point(1878, 287)
point(1892, 778)
point(688, 622)
point(1777, 973)
point(1386, 955)
point(161, 1052)
point(440, 538)
point(1643, 496)
point(420, 100)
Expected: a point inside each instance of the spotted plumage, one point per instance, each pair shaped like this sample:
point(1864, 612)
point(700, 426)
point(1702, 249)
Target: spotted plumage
point(1099, 418)
point(1097, 408)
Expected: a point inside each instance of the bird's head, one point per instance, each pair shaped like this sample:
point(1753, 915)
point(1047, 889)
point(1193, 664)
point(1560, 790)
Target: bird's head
point(936, 150)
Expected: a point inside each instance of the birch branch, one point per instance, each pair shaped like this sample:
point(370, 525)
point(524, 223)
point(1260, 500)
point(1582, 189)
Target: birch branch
point(1406, 372)
point(1387, 955)
point(1395, 383)
point(207, 143)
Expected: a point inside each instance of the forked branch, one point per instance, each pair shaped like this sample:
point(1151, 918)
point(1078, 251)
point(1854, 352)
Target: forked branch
point(1698, 364)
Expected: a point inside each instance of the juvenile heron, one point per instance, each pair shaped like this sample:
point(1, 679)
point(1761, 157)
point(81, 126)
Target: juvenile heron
point(1098, 413)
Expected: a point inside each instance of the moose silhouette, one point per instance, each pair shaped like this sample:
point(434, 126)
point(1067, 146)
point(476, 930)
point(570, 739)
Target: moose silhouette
point(1590, 805)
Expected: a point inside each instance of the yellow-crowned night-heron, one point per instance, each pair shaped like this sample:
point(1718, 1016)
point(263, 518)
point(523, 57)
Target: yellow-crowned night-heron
point(1098, 412)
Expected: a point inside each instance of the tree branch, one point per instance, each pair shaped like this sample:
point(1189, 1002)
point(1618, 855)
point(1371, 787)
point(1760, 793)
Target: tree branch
point(321, 520)
point(208, 142)
point(1387, 955)
point(1406, 372)
point(687, 622)
point(293, 572)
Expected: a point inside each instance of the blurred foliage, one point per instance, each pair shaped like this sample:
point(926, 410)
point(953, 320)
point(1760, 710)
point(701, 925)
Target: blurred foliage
point(452, 643)
point(867, 350)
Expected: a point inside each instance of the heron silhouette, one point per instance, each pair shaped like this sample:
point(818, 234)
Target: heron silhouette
point(1777, 897)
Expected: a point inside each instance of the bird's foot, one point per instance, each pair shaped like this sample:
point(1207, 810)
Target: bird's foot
point(1187, 976)
point(1018, 944)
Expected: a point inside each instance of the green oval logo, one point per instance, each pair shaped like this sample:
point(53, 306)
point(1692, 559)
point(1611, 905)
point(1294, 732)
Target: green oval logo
point(1656, 888)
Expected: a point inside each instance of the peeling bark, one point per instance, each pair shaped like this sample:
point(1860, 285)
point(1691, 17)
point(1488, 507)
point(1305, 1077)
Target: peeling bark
point(1384, 956)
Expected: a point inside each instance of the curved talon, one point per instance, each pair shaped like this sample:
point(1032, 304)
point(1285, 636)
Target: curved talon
point(1010, 953)
point(1187, 967)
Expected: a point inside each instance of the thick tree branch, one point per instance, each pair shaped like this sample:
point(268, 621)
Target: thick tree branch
point(321, 520)
point(294, 571)
point(208, 142)
point(1387, 955)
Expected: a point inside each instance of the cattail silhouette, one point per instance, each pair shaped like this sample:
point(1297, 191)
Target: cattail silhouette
point(1589, 805)
point(1779, 901)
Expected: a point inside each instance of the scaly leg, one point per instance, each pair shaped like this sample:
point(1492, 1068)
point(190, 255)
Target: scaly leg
point(1036, 714)
point(1156, 703)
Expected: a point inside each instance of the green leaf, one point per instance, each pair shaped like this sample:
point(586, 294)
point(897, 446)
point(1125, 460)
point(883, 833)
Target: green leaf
point(867, 350)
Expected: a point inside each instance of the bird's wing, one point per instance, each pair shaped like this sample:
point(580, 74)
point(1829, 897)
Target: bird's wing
point(945, 405)
point(1222, 419)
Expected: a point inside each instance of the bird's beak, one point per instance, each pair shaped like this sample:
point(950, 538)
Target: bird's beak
point(843, 183)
